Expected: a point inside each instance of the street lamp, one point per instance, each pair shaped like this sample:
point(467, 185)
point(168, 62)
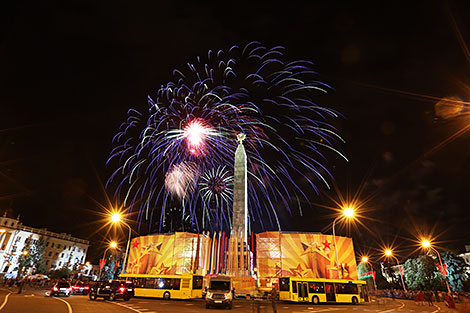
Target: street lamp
point(366, 260)
point(389, 253)
point(113, 245)
point(117, 218)
point(426, 244)
point(347, 213)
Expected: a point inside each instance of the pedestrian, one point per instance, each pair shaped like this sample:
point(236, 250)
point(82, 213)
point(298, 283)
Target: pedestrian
point(436, 295)
point(450, 303)
point(420, 298)
point(274, 299)
point(428, 295)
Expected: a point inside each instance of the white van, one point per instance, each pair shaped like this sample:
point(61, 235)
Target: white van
point(220, 292)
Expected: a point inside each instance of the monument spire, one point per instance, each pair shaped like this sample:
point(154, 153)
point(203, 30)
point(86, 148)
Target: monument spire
point(240, 199)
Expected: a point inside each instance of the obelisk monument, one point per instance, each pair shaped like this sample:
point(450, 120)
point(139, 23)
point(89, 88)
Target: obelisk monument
point(240, 197)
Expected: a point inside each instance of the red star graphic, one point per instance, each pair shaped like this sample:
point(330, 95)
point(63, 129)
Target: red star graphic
point(135, 244)
point(326, 244)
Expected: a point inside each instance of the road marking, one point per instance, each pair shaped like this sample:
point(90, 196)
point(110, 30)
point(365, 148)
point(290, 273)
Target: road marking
point(390, 310)
point(438, 308)
point(68, 305)
point(5, 301)
point(127, 307)
point(189, 304)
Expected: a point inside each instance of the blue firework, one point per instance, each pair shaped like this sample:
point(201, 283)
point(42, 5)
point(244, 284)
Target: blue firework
point(194, 119)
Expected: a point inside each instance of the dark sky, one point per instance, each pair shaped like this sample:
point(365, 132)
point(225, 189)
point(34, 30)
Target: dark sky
point(69, 70)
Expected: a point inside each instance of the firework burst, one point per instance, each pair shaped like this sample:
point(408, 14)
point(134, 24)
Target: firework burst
point(193, 120)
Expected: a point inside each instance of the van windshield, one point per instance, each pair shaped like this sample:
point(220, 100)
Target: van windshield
point(220, 285)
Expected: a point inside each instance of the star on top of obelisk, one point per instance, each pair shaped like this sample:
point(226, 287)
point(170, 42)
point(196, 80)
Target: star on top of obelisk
point(241, 137)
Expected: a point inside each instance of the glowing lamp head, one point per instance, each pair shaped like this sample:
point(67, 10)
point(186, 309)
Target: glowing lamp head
point(425, 243)
point(348, 212)
point(365, 259)
point(25, 252)
point(116, 217)
point(113, 244)
point(388, 252)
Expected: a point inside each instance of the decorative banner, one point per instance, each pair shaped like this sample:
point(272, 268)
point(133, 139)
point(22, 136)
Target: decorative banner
point(402, 270)
point(304, 255)
point(176, 253)
point(442, 269)
point(102, 263)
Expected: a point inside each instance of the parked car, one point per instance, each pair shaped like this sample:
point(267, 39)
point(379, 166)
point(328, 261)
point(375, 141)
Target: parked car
point(62, 288)
point(80, 288)
point(112, 290)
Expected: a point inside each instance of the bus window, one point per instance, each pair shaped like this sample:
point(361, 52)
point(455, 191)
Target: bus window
point(197, 282)
point(150, 283)
point(175, 283)
point(350, 289)
point(294, 287)
point(284, 284)
point(316, 287)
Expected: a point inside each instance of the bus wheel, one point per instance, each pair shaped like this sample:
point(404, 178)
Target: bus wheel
point(166, 295)
point(354, 300)
point(315, 300)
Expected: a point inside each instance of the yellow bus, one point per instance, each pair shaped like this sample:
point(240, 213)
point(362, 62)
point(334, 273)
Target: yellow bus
point(185, 286)
point(317, 290)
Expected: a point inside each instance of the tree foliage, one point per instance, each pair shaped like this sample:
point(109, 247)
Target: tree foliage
point(423, 273)
point(456, 270)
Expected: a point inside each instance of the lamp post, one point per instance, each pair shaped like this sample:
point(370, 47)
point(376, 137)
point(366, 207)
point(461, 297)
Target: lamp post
point(113, 245)
point(366, 261)
point(426, 244)
point(117, 218)
point(347, 213)
point(389, 253)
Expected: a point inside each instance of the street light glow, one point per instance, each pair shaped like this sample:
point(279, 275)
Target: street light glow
point(388, 252)
point(25, 252)
point(425, 243)
point(348, 212)
point(116, 217)
point(365, 259)
point(113, 244)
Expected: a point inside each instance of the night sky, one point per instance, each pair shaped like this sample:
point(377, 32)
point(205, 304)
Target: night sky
point(70, 70)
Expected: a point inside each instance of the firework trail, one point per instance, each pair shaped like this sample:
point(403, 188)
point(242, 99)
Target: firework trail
point(183, 146)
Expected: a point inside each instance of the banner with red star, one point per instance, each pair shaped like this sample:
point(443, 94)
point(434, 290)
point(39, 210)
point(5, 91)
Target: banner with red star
point(304, 255)
point(177, 253)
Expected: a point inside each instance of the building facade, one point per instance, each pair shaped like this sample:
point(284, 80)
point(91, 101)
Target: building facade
point(61, 250)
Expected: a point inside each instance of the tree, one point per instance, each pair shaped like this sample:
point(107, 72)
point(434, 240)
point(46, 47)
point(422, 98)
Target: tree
point(456, 270)
point(37, 255)
point(421, 274)
point(25, 260)
point(60, 273)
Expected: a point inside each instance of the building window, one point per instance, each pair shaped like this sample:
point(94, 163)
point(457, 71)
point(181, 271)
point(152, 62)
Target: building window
point(52, 245)
point(58, 246)
point(47, 262)
point(61, 255)
point(56, 254)
point(60, 263)
point(12, 223)
point(73, 249)
point(47, 244)
point(50, 253)
point(6, 223)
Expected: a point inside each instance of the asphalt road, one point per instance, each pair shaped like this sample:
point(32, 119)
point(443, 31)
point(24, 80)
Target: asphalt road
point(37, 301)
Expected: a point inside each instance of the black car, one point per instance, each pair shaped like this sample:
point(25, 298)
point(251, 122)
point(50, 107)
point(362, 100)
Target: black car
point(61, 288)
point(112, 290)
